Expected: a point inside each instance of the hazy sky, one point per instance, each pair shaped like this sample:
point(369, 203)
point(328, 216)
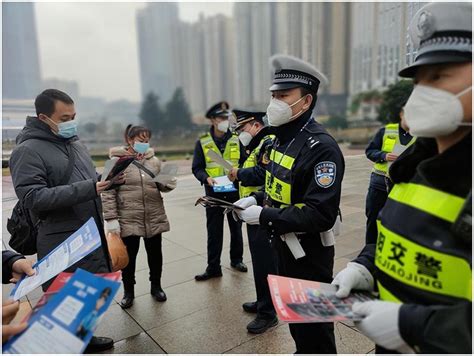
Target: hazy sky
point(95, 44)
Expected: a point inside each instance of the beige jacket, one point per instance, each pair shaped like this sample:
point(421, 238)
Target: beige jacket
point(138, 204)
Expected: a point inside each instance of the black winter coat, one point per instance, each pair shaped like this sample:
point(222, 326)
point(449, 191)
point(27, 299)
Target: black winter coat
point(37, 164)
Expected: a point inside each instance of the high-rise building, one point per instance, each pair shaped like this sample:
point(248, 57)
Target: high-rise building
point(20, 58)
point(219, 58)
point(379, 44)
point(156, 29)
point(190, 68)
point(315, 32)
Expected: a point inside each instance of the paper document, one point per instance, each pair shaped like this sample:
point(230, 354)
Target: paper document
point(78, 245)
point(170, 170)
point(211, 202)
point(293, 244)
point(223, 185)
point(302, 301)
point(219, 160)
point(108, 165)
point(398, 149)
point(164, 179)
point(115, 166)
point(66, 323)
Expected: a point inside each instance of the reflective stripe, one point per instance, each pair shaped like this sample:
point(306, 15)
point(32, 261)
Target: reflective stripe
point(422, 267)
point(389, 140)
point(284, 161)
point(432, 201)
point(250, 162)
point(231, 154)
point(386, 295)
point(277, 189)
point(298, 205)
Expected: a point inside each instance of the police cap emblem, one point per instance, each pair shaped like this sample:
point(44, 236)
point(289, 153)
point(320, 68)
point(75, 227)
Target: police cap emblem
point(425, 25)
point(325, 174)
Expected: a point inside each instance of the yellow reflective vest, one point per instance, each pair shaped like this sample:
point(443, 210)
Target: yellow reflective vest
point(231, 154)
point(422, 263)
point(390, 139)
point(251, 162)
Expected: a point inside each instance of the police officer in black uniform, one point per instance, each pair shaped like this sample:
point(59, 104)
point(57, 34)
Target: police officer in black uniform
point(302, 189)
point(220, 140)
point(257, 140)
point(422, 261)
point(380, 151)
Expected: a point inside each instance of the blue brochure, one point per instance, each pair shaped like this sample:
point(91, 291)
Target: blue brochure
point(66, 323)
point(77, 246)
point(224, 185)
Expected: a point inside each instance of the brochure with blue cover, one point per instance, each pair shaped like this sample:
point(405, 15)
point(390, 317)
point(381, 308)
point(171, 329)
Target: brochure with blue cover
point(67, 322)
point(77, 246)
point(223, 185)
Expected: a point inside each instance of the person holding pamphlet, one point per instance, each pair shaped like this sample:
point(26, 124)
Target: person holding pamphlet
point(55, 180)
point(384, 148)
point(135, 209)
point(215, 152)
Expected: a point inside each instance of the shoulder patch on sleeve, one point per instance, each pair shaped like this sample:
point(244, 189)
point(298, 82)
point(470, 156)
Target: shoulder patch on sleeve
point(325, 173)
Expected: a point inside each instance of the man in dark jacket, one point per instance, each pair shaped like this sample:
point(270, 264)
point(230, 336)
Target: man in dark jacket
point(38, 166)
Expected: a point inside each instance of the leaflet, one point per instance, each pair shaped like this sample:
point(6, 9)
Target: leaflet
point(59, 283)
point(223, 185)
point(301, 301)
point(77, 246)
point(67, 322)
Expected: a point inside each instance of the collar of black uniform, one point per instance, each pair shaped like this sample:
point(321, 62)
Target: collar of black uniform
point(287, 132)
point(257, 139)
point(423, 158)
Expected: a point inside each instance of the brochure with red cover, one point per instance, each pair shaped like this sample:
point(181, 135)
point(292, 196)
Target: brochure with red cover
point(59, 283)
point(301, 301)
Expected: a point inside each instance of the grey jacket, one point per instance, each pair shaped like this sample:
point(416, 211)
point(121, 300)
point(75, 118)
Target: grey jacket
point(37, 165)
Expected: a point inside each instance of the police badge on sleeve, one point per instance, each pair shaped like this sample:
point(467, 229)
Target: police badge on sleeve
point(325, 174)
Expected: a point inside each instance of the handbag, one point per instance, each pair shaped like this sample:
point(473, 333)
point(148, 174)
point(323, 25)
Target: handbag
point(117, 251)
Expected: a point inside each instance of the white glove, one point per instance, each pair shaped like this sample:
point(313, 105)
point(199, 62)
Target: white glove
point(354, 276)
point(112, 226)
point(380, 324)
point(251, 215)
point(244, 203)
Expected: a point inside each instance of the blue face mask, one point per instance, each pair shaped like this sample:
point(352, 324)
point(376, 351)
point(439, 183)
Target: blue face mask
point(67, 129)
point(141, 147)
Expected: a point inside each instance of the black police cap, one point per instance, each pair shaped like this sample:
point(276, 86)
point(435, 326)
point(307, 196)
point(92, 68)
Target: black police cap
point(221, 109)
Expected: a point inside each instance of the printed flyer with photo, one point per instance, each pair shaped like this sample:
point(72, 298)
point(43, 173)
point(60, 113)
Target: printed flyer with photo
point(66, 323)
point(77, 246)
point(59, 283)
point(301, 301)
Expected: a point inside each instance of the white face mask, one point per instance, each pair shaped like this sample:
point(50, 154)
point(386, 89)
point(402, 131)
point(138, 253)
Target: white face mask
point(279, 112)
point(245, 138)
point(431, 112)
point(223, 126)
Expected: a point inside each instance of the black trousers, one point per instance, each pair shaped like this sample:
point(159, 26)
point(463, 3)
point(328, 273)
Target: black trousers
point(154, 256)
point(264, 263)
point(215, 237)
point(375, 201)
point(317, 265)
